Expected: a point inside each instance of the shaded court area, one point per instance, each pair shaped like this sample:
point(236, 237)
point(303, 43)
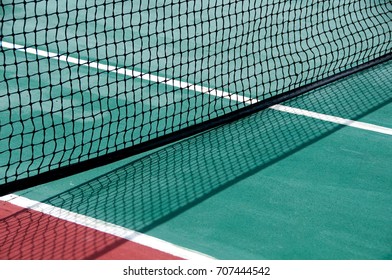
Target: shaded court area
point(274, 185)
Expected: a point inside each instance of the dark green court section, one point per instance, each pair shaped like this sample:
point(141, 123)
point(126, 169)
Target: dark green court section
point(270, 186)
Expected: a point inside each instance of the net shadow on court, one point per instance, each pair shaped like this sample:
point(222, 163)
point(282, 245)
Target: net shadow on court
point(156, 188)
point(88, 83)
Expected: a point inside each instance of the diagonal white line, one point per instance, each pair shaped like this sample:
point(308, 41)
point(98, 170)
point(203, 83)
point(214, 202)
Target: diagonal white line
point(197, 88)
point(333, 119)
point(105, 227)
point(130, 73)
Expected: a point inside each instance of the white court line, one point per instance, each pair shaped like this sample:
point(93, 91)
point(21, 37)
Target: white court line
point(130, 73)
point(197, 88)
point(333, 119)
point(105, 227)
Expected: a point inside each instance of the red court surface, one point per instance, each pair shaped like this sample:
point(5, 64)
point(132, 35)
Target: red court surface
point(27, 234)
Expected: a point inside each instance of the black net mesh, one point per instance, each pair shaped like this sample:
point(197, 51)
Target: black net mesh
point(86, 79)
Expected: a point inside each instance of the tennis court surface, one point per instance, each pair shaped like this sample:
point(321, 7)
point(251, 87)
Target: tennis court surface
point(195, 130)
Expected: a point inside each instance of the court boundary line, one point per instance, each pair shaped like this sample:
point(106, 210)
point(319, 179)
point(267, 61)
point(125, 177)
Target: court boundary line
point(333, 119)
point(41, 177)
point(106, 227)
point(198, 88)
point(129, 73)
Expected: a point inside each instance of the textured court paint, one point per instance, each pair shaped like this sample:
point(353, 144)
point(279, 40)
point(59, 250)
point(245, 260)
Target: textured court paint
point(382, 116)
point(296, 190)
point(131, 73)
point(333, 119)
point(356, 97)
point(270, 58)
point(327, 200)
point(48, 190)
point(26, 234)
point(296, 207)
point(100, 226)
point(331, 200)
point(191, 87)
point(62, 109)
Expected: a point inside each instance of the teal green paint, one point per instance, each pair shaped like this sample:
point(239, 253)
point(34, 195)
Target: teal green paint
point(331, 200)
point(356, 98)
point(46, 191)
point(381, 117)
point(270, 186)
point(72, 123)
point(293, 196)
point(86, 113)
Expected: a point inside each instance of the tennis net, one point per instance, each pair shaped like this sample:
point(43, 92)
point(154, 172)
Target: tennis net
point(84, 83)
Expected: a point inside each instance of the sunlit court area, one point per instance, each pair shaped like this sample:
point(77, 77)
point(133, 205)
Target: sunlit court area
point(197, 130)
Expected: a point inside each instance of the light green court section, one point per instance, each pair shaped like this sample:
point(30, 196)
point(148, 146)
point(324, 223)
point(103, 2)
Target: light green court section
point(270, 186)
point(365, 96)
point(331, 200)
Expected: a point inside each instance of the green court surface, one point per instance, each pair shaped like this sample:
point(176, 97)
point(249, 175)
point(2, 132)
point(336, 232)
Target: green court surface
point(82, 79)
point(274, 185)
point(68, 110)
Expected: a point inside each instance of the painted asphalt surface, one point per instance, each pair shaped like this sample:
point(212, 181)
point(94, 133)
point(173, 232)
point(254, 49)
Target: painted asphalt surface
point(270, 186)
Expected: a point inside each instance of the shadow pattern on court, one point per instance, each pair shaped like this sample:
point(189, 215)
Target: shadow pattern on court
point(60, 111)
point(154, 189)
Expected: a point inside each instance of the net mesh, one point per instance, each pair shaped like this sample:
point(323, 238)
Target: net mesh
point(84, 79)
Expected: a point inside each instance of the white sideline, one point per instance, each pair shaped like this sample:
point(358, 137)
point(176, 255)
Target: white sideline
point(105, 227)
point(333, 119)
point(197, 88)
point(129, 73)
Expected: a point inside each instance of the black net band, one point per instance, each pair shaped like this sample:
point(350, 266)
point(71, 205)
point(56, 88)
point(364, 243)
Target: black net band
point(83, 83)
